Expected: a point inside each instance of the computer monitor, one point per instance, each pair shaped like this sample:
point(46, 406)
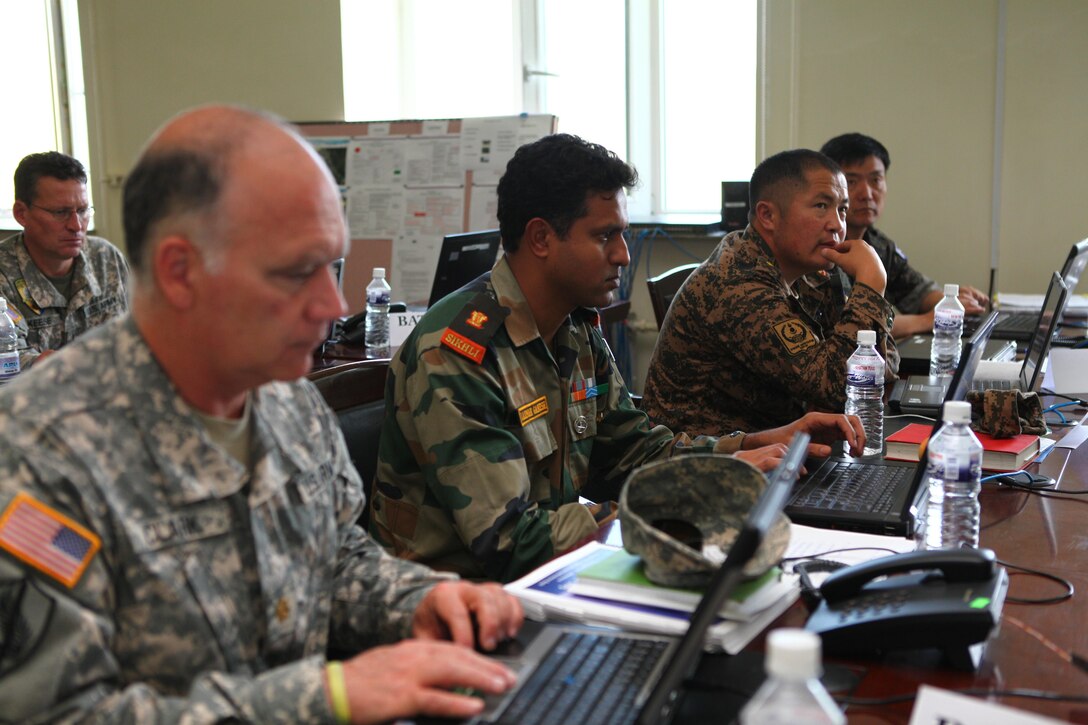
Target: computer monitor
point(734, 205)
point(463, 258)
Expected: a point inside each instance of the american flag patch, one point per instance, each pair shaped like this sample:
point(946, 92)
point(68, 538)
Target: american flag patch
point(46, 539)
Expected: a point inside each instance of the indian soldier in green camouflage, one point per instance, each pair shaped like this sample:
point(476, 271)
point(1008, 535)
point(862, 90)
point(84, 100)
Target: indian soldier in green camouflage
point(865, 163)
point(58, 282)
point(178, 536)
point(504, 404)
point(756, 336)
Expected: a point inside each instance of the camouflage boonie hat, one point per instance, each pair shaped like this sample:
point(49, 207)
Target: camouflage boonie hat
point(682, 514)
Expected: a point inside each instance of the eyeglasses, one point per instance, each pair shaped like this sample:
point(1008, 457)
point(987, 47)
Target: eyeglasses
point(62, 215)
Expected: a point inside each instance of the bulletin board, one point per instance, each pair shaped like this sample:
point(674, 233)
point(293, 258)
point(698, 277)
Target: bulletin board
point(407, 184)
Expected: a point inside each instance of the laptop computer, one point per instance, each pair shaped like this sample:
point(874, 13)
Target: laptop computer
point(1024, 376)
point(1020, 325)
point(574, 674)
point(463, 258)
point(924, 394)
point(874, 496)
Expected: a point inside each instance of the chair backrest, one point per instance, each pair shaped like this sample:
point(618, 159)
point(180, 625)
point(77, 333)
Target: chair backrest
point(356, 393)
point(664, 287)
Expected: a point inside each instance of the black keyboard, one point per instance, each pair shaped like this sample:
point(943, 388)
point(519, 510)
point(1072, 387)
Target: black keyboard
point(586, 678)
point(854, 487)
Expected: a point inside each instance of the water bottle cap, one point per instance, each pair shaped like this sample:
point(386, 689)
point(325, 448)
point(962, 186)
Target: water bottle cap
point(793, 654)
point(951, 290)
point(866, 337)
point(379, 272)
point(957, 411)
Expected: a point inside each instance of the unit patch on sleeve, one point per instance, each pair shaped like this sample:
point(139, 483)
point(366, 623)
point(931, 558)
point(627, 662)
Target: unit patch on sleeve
point(795, 335)
point(46, 539)
point(474, 326)
point(532, 410)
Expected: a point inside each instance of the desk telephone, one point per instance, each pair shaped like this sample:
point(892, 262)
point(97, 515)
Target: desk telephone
point(947, 599)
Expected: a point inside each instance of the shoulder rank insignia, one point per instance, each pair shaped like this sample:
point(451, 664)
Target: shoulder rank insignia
point(46, 539)
point(474, 326)
point(24, 294)
point(795, 336)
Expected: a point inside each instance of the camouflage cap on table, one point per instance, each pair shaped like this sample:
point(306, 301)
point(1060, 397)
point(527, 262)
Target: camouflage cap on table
point(681, 515)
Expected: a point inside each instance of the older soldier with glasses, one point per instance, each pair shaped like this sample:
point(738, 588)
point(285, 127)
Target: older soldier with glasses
point(58, 281)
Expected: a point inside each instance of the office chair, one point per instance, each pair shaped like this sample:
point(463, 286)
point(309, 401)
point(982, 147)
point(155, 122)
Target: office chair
point(664, 287)
point(356, 393)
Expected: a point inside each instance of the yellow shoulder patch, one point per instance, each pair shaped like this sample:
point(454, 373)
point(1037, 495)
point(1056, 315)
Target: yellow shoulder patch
point(46, 539)
point(532, 410)
point(795, 335)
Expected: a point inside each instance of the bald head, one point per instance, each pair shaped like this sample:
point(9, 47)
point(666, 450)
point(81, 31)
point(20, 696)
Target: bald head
point(192, 163)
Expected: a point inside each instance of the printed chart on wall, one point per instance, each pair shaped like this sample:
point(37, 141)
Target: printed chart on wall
point(410, 183)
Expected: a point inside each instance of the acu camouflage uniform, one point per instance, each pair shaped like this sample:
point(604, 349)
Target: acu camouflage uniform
point(490, 436)
point(216, 590)
point(740, 348)
point(906, 286)
point(48, 320)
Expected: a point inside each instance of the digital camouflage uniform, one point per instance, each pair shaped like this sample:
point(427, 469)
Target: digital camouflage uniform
point(216, 590)
point(490, 437)
point(906, 286)
point(740, 349)
point(49, 321)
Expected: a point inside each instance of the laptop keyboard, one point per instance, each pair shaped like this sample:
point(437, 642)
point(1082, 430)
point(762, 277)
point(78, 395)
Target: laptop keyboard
point(982, 385)
point(586, 678)
point(854, 487)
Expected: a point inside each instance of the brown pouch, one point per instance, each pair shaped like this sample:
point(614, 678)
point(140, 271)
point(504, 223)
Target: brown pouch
point(1006, 413)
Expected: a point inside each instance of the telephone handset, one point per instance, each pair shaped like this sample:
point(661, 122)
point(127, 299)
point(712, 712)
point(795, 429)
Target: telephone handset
point(947, 599)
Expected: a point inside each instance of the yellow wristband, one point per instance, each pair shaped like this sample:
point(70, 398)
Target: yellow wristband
point(338, 692)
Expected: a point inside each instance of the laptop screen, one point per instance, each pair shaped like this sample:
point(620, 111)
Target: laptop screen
point(1074, 264)
point(661, 700)
point(1053, 306)
point(463, 258)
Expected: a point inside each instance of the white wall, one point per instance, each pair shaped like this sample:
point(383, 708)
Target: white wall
point(149, 60)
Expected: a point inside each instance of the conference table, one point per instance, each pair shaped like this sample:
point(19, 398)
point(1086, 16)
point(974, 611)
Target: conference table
point(1045, 531)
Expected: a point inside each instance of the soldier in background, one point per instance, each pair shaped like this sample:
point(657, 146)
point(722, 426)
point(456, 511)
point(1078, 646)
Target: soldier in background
point(504, 405)
point(58, 281)
point(757, 335)
point(865, 163)
point(178, 539)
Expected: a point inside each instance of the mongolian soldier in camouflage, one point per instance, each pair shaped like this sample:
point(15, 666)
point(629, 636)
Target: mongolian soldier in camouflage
point(58, 281)
point(756, 336)
point(178, 523)
point(865, 163)
point(504, 404)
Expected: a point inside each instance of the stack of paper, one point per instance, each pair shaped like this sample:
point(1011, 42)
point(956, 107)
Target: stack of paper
point(1076, 306)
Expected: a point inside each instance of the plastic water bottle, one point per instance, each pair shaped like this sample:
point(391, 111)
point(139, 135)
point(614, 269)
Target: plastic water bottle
point(378, 293)
point(9, 345)
point(954, 473)
point(865, 391)
point(792, 693)
point(944, 355)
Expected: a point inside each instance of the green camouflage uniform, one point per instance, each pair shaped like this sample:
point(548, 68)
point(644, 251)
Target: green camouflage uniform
point(906, 286)
point(49, 321)
point(217, 589)
point(490, 437)
point(740, 349)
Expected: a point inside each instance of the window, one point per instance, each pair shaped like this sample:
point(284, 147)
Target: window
point(46, 97)
point(669, 84)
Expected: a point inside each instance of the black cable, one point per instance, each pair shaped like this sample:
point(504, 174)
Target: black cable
point(1047, 391)
point(1069, 589)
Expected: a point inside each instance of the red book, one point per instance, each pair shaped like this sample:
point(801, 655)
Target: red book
point(998, 454)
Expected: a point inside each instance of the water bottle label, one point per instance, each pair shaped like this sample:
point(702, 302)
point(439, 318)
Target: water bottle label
point(864, 375)
point(377, 297)
point(9, 365)
point(947, 320)
point(962, 467)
